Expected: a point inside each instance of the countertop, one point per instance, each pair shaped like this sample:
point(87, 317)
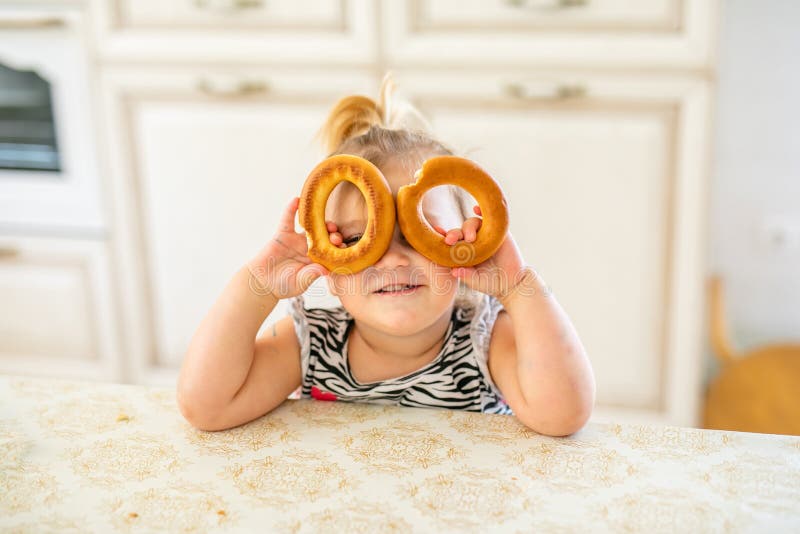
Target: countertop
point(90, 457)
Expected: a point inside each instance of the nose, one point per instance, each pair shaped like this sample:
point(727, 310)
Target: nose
point(398, 253)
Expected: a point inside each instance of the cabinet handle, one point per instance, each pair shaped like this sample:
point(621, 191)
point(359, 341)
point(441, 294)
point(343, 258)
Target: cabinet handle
point(228, 5)
point(27, 23)
point(232, 89)
point(547, 4)
point(8, 252)
point(564, 91)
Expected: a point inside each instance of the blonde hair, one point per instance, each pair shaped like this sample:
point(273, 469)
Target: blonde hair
point(389, 129)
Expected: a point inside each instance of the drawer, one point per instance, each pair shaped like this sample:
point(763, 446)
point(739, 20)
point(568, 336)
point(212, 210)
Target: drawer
point(56, 309)
point(565, 15)
point(263, 14)
point(674, 33)
point(268, 31)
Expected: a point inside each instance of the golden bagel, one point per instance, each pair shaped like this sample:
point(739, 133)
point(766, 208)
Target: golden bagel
point(380, 213)
point(453, 170)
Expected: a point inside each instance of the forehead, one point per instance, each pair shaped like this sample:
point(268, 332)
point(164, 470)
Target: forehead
point(346, 202)
point(346, 197)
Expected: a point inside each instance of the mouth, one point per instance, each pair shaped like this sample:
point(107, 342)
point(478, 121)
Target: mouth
point(397, 290)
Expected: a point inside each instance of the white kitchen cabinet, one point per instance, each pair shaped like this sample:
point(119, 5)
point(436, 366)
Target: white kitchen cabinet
point(49, 42)
point(551, 33)
point(57, 309)
point(315, 32)
point(605, 178)
point(204, 162)
point(57, 303)
point(594, 115)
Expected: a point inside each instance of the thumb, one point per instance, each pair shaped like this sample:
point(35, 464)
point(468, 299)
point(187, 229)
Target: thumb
point(309, 273)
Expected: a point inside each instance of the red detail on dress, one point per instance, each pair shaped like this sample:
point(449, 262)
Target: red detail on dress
point(322, 395)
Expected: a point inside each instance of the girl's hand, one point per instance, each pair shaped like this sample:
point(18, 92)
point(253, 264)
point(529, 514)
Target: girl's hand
point(282, 267)
point(337, 238)
point(495, 276)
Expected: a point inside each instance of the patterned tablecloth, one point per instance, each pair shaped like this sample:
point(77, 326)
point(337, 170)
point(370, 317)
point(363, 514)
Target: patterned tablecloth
point(83, 457)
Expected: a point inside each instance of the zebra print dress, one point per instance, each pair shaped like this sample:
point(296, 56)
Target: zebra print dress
point(458, 378)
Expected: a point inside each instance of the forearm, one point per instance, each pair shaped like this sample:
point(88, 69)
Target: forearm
point(554, 372)
point(220, 353)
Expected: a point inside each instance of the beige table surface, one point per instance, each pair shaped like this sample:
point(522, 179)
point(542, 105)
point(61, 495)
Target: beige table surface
point(85, 457)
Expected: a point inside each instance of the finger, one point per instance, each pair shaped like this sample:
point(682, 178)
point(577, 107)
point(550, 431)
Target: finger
point(337, 239)
point(453, 235)
point(477, 210)
point(471, 226)
point(286, 223)
point(440, 229)
point(466, 274)
point(331, 226)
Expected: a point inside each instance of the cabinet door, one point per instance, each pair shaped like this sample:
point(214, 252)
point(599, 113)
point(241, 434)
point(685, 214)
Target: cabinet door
point(203, 164)
point(606, 182)
point(56, 309)
point(48, 176)
point(674, 33)
point(246, 31)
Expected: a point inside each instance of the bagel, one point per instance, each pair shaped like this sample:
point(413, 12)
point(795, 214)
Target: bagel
point(453, 170)
point(380, 213)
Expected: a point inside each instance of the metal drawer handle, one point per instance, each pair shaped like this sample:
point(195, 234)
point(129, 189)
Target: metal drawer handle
point(547, 4)
point(229, 5)
point(26, 23)
point(8, 252)
point(232, 89)
point(565, 91)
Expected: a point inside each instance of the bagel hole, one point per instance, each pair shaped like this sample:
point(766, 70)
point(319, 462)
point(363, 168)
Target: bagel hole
point(447, 206)
point(347, 208)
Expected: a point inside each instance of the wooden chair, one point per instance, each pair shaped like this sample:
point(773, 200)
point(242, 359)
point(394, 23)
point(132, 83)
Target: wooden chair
point(755, 391)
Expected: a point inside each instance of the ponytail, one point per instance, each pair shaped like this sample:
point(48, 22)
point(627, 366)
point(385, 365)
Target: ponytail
point(356, 116)
point(350, 117)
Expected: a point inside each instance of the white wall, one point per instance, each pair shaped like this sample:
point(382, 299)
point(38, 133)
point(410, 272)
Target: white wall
point(756, 179)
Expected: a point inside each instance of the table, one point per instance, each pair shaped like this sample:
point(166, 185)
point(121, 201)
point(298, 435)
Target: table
point(89, 457)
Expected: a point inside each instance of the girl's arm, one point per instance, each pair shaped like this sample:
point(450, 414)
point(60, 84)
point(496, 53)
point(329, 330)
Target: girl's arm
point(228, 377)
point(535, 355)
point(538, 361)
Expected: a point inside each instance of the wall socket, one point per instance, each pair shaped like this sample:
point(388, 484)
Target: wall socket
point(781, 233)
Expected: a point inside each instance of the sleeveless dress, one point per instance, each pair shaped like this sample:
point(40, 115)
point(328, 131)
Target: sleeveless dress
point(458, 378)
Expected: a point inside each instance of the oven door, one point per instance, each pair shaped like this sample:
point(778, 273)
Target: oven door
point(48, 169)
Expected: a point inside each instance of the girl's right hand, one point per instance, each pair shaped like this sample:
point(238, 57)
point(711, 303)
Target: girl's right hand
point(282, 268)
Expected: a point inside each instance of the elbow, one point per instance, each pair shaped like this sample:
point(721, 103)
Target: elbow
point(195, 413)
point(560, 427)
point(569, 426)
point(190, 412)
point(558, 423)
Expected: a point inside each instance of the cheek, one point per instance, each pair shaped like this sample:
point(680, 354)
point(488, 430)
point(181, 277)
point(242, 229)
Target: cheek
point(442, 282)
point(337, 284)
point(344, 285)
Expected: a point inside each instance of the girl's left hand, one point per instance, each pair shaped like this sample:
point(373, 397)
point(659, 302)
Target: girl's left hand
point(495, 276)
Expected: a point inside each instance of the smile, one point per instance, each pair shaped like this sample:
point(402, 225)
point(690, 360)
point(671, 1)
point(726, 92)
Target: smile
point(397, 289)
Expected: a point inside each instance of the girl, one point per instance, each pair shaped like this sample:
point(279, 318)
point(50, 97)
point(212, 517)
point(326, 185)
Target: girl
point(488, 338)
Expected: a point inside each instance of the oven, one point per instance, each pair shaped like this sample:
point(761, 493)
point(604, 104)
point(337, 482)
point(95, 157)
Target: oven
point(49, 179)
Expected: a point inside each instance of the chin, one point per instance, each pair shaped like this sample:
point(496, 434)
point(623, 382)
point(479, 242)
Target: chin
point(403, 321)
point(402, 324)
